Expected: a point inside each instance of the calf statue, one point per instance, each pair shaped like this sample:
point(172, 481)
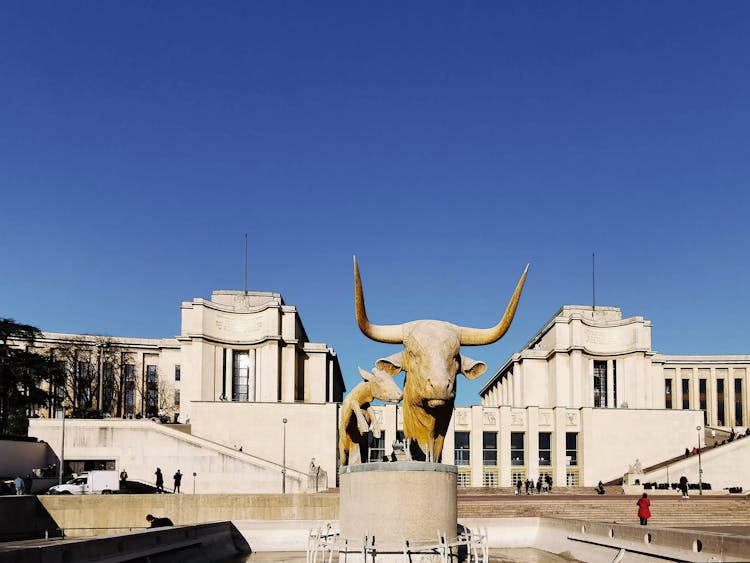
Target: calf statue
point(431, 359)
point(357, 415)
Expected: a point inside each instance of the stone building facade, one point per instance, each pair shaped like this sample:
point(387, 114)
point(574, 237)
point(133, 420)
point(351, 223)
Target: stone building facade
point(584, 399)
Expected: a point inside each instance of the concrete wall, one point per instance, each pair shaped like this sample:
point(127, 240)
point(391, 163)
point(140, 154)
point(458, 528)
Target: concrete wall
point(311, 431)
point(79, 515)
point(140, 446)
point(25, 518)
point(723, 466)
point(19, 458)
point(614, 438)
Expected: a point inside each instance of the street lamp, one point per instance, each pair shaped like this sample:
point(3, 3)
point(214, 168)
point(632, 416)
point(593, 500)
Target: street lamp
point(194, 475)
point(283, 459)
point(62, 445)
point(700, 467)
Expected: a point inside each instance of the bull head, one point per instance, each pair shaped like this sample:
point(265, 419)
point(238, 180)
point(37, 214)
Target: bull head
point(431, 357)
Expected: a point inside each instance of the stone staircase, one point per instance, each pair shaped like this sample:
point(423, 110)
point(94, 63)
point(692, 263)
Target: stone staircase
point(668, 512)
point(509, 491)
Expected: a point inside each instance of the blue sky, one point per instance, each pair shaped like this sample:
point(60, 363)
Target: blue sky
point(446, 144)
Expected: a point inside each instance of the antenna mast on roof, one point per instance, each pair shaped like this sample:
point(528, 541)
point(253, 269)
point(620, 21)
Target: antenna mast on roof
point(245, 263)
point(593, 281)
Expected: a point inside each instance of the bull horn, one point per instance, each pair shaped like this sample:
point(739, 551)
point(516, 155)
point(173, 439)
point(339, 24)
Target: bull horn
point(481, 336)
point(390, 334)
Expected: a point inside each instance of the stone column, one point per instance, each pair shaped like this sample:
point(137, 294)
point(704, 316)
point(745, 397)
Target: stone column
point(476, 443)
point(711, 410)
point(532, 442)
point(558, 446)
point(503, 447)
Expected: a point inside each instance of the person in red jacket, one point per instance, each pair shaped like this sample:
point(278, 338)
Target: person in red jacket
point(644, 513)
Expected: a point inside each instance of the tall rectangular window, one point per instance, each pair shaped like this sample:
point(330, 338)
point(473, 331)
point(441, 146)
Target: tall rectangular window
point(600, 383)
point(177, 397)
point(375, 447)
point(129, 387)
point(177, 373)
point(667, 393)
point(152, 401)
point(240, 375)
point(571, 449)
point(152, 390)
point(545, 449)
point(614, 382)
point(738, 402)
point(720, 402)
point(489, 449)
point(130, 399)
point(83, 385)
point(108, 387)
point(517, 449)
point(702, 399)
point(299, 380)
point(685, 394)
point(462, 449)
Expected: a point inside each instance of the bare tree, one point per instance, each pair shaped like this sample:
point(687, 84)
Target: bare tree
point(76, 356)
point(167, 398)
point(95, 368)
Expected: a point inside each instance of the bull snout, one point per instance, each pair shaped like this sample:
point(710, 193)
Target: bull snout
point(440, 389)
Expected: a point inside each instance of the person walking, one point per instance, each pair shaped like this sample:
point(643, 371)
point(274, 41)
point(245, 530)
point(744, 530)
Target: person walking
point(177, 480)
point(684, 487)
point(123, 479)
point(159, 481)
point(18, 482)
point(519, 484)
point(644, 511)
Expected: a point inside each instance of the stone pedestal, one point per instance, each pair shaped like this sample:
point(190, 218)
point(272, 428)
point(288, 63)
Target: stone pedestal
point(398, 501)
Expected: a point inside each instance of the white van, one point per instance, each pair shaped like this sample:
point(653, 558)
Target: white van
point(91, 482)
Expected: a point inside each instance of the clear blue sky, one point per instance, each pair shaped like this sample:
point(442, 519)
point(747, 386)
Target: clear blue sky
point(446, 144)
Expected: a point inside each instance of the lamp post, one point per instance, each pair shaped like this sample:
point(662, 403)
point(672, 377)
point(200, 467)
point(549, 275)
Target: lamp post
point(194, 475)
point(700, 466)
point(283, 458)
point(62, 445)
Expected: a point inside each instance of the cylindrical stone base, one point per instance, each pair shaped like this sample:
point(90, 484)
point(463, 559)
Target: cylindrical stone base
point(398, 501)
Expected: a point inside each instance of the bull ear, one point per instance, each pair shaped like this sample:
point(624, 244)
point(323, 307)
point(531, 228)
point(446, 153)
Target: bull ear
point(472, 368)
point(366, 375)
point(391, 365)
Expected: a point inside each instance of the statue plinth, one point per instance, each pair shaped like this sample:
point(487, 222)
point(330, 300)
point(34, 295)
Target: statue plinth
point(397, 501)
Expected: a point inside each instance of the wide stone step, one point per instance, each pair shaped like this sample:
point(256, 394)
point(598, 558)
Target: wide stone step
point(666, 512)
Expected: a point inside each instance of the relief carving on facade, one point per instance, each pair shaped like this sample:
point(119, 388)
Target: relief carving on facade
point(489, 418)
point(462, 418)
point(545, 418)
point(517, 419)
point(238, 328)
point(571, 418)
point(611, 339)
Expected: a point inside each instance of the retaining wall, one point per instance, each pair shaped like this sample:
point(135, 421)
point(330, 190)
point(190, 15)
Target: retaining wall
point(98, 514)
